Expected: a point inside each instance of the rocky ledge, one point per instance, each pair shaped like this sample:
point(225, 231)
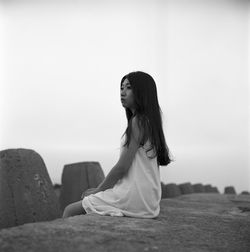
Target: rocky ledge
point(194, 222)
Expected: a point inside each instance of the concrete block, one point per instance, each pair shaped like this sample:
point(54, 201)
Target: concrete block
point(172, 190)
point(163, 191)
point(215, 189)
point(186, 188)
point(198, 188)
point(245, 193)
point(229, 190)
point(78, 177)
point(208, 188)
point(26, 191)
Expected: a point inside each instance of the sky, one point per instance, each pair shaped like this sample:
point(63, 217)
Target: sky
point(61, 63)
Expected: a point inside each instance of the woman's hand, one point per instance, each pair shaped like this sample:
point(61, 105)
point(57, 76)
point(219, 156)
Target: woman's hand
point(90, 191)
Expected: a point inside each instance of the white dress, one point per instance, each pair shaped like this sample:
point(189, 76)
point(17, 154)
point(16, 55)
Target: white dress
point(138, 194)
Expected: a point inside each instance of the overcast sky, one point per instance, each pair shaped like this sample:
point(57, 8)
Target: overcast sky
point(61, 66)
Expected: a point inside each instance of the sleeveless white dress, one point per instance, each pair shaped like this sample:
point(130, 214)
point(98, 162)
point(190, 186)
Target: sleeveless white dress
point(138, 194)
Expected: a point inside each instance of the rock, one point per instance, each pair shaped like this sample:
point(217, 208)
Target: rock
point(26, 191)
point(241, 201)
point(245, 193)
point(172, 190)
point(186, 188)
point(163, 191)
point(57, 189)
point(193, 222)
point(198, 188)
point(229, 190)
point(215, 189)
point(77, 178)
point(208, 188)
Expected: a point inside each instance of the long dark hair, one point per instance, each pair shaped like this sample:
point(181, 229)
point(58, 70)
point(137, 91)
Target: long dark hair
point(148, 112)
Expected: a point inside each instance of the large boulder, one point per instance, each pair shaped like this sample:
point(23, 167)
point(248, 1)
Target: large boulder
point(186, 188)
point(208, 188)
point(163, 191)
point(57, 190)
point(229, 190)
point(26, 191)
point(242, 201)
point(198, 188)
point(193, 222)
point(78, 177)
point(245, 193)
point(215, 189)
point(172, 190)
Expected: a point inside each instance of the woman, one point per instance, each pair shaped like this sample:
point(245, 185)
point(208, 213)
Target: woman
point(132, 187)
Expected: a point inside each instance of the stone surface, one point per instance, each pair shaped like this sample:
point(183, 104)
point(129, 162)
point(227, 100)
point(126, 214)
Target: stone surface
point(186, 188)
point(78, 177)
point(208, 188)
point(163, 191)
point(242, 201)
point(215, 189)
point(198, 188)
point(172, 190)
point(229, 190)
point(26, 191)
point(193, 222)
point(245, 193)
point(57, 190)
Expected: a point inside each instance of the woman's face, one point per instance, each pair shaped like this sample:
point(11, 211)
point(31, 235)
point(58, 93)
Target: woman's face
point(127, 96)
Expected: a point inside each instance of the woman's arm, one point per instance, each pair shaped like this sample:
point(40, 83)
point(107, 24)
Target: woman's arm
point(125, 161)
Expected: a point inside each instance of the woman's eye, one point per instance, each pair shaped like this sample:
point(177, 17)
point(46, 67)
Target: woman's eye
point(127, 87)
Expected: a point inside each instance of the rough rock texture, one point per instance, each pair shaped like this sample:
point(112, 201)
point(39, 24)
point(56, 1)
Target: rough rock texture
point(194, 222)
point(229, 190)
point(57, 190)
point(172, 190)
point(163, 191)
point(245, 193)
point(215, 189)
point(77, 178)
point(198, 188)
point(208, 188)
point(242, 201)
point(186, 188)
point(26, 191)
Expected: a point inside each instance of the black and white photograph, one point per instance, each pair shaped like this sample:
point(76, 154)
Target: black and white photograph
point(124, 125)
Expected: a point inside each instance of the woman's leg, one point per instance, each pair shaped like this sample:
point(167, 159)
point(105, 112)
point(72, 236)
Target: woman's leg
point(73, 209)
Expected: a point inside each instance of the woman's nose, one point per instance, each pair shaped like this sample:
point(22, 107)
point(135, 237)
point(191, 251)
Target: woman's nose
point(123, 92)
